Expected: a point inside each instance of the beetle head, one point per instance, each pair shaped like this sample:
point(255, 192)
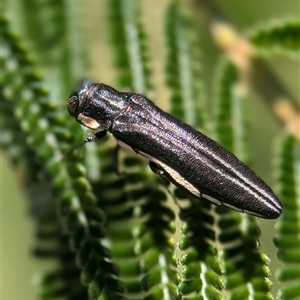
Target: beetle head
point(96, 106)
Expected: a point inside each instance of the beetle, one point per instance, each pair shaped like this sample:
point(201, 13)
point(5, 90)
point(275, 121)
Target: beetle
point(175, 151)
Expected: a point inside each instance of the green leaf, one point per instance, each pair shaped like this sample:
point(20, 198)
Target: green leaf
point(287, 238)
point(140, 203)
point(130, 45)
point(280, 37)
point(68, 184)
point(186, 102)
point(246, 268)
point(183, 67)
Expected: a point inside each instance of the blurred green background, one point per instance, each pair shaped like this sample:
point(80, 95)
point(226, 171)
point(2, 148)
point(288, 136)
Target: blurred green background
point(18, 267)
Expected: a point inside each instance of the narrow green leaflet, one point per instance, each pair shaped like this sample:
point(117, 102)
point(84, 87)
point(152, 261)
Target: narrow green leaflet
point(130, 45)
point(280, 37)
point(183, 67)
point(196, 256)
point(81, 219)
point(53, 30)
point(133, 200)
point(246, 268)
point(287, 239)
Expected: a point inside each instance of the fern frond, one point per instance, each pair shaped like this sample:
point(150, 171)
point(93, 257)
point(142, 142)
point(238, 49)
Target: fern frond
point(287, 238)
point(54, 32)
point(280, 37)
point(197, 257)
point(140, 204)
point(82, 220)
point(246, 268)
point(131, 55)
point(183, 67)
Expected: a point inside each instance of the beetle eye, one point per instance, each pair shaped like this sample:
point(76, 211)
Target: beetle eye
point(72, 104)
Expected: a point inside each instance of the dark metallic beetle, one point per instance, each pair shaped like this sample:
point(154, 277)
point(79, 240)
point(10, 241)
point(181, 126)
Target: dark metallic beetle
point(175, 150)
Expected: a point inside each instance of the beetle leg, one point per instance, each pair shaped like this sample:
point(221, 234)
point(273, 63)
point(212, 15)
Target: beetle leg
point(92, 138)
point(136, 151)
point(95, 137)
point(115, 161)
point(159, 171)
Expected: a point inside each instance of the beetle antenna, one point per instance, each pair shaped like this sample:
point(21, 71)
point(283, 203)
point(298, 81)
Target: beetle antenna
point(92, 138)
point(68, 154)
